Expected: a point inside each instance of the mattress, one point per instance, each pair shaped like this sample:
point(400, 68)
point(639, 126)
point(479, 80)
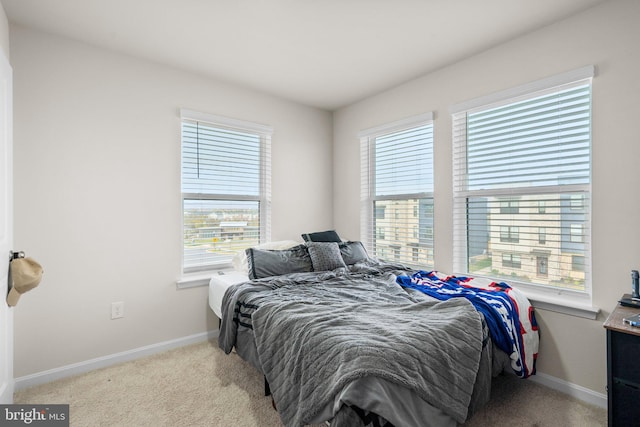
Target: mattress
point(219, 284)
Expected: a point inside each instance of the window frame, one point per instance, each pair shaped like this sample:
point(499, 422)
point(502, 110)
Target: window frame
point(369, 231)
point(580, 300)
point(263, 198)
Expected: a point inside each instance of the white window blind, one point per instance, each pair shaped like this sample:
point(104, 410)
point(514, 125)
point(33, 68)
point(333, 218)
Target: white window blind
point(225, 188)
point(397, 191)
point(522, 185)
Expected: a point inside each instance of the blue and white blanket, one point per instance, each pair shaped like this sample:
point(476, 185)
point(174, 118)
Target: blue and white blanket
point(508, 313)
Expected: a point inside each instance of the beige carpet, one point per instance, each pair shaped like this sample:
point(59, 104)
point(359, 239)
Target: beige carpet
point(199, 385)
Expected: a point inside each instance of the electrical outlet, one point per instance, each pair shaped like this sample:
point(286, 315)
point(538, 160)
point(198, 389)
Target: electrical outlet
point(117, 310)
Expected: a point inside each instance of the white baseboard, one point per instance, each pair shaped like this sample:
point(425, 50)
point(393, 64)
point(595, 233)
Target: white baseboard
point(112, 359)
point(573, 390)
point(6, 393)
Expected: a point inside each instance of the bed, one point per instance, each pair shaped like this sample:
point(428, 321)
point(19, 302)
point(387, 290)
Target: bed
point(340, 337)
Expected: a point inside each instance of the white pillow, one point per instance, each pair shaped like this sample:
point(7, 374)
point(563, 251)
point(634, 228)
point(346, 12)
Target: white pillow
point(239, 260)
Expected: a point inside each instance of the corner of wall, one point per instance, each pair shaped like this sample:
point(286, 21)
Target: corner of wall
point(4, 32)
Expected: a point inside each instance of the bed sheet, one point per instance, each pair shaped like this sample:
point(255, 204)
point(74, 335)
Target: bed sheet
point(219, 284)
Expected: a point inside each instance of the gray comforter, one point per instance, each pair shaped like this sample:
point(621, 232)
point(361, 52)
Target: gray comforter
point(314, 334)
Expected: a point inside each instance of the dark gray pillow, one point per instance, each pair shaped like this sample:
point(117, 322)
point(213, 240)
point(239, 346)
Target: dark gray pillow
point(322, 236)
point(325, 256)
point(268, 263)
point(353, 252)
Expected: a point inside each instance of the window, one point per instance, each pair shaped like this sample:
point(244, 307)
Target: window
point(531, 144)
point(397, 179)
point(576, 234)
point(577, 263)
point(576, 202)
point(511, 261)
point(415, 254)
point(428, 233)
point(542, 235)
point(509, 234)
point(509, 207)
point(225, 188)
point(542, 207)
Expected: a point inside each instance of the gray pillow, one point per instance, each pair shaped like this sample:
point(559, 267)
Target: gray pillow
point(322, 236)
point(353, 252)
point(325, 255)
point(267, 263)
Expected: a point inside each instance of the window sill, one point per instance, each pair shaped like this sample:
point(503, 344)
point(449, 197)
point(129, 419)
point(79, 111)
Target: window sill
point(562, 306)
point(564, 301)
point(195, 280)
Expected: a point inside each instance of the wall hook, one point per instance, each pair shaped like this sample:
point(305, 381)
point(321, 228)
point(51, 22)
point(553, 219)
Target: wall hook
point(15, 255)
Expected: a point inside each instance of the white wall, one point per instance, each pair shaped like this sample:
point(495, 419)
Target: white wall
point(97, 193)
point(4, 32)
point(572, 349)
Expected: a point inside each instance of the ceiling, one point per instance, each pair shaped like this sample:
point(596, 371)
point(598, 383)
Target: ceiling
point(322, 53)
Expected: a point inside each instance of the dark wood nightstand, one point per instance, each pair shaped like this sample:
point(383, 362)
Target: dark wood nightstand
point(623, 368)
